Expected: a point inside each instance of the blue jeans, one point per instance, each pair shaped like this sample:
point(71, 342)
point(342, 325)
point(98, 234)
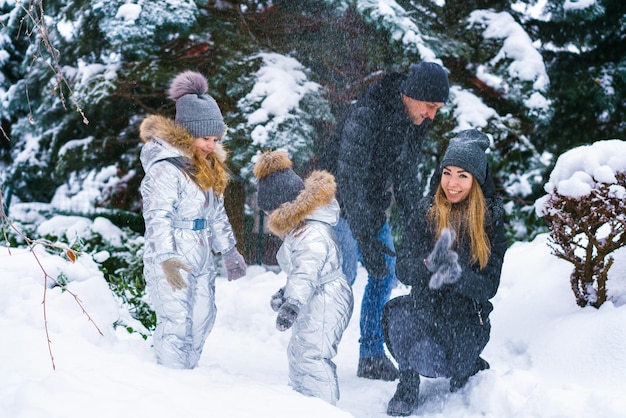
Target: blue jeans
point(377, 291)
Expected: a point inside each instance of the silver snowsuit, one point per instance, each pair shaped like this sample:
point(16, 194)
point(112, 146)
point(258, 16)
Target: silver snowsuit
point(186, 223)
point(311, 258)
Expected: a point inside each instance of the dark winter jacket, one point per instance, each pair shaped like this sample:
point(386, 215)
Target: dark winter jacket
point(475, 286)
point(455, 316)
point(374, 148)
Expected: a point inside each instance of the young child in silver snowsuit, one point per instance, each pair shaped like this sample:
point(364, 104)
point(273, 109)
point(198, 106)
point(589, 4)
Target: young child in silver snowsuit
point(316, 302)
point(186, 223)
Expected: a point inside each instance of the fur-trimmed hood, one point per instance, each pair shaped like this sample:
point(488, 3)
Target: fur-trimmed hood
point(315, 201)
point(163, 138)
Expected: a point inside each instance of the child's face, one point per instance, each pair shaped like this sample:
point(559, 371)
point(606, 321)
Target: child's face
point(456, 183)
point(206, 145)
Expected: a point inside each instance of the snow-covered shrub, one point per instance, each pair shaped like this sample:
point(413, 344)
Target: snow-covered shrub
point(586, 211)
point(116, 252)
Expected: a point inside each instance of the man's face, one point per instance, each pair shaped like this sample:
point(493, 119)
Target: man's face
point(417, 110)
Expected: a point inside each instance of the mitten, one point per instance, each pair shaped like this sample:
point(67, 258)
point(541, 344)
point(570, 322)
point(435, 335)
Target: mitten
point(441, 252)
point(235, 264)
point(171, 268)
point(448, 272)
point(443, 261)
point(373, 253)
point(277, 300)
point(287, 315)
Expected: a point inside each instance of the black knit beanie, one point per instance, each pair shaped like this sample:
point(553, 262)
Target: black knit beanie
point(427, 82)
point(196, 111)
point(278, 183)
point(467, 151)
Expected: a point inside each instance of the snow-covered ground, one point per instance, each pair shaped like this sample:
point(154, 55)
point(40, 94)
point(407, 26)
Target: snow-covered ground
point(549, 358)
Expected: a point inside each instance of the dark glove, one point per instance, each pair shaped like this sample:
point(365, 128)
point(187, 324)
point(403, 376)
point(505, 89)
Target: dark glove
point(235, 264)
point(171, 268)
point(373, 253)
point(443, 261)
point(277, 300)
point(287, 315)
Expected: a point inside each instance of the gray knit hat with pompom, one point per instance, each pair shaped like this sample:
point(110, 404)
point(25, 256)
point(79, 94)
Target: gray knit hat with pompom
point(278, 183)
point(467, 151)
point(196, 111)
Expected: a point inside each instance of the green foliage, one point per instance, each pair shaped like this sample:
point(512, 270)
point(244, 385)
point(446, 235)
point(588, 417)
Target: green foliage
point(586, 52)
point(125, 28)
point(62, 281)
point(293, 131)
point(123, 271)
point(75, 89)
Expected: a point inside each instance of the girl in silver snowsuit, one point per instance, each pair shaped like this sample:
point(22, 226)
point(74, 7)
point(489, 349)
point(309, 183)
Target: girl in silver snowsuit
point(317, 299)
point(185, 220)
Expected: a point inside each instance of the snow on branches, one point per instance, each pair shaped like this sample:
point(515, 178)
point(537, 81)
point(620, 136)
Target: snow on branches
point(586, 212)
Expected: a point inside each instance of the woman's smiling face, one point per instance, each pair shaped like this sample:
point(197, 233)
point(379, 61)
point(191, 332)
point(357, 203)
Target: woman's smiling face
point(456, 183)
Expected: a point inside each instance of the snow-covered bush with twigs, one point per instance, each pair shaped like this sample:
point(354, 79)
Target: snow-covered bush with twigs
point(585, 209)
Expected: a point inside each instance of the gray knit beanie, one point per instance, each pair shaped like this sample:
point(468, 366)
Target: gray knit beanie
point(278, 183)
point(196, 111)
point(467, 151)
point(427, 82)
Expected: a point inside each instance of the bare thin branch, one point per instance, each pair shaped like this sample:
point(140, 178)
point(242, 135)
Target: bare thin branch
point(6, 223)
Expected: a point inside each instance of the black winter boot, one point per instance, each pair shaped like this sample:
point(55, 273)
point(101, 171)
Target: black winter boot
point(404, 401)
point(457, 382)
point(379, 368)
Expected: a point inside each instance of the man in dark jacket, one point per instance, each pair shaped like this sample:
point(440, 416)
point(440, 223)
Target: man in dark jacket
point(374, 154)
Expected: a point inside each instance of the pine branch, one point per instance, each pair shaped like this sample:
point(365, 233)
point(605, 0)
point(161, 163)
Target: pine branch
point(36, 17)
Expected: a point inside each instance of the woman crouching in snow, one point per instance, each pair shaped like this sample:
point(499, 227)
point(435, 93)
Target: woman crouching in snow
point(451, 256)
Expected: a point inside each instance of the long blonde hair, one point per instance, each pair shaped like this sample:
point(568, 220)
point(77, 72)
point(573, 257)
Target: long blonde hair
point(210, 172)
point(466, 218)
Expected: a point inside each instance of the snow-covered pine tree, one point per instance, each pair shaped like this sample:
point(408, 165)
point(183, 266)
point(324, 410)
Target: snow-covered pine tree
point(499, 84)
point(118, 57)
point(584, 44)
